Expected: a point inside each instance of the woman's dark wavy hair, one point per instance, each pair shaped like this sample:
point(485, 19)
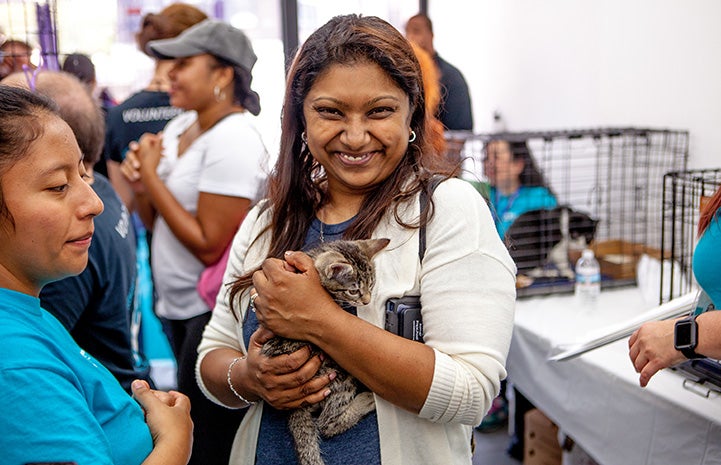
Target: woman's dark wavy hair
point(21, 124)
point(242, 93)
point(295, 187)
point(531, 174)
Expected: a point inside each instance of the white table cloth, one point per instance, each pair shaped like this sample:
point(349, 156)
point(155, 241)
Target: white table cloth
point(596, 399)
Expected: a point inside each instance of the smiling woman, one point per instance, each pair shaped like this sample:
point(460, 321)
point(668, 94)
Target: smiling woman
point(355, 161)
point(46, 229)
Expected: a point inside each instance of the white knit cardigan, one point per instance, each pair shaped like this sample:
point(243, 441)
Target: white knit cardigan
point(467, 288)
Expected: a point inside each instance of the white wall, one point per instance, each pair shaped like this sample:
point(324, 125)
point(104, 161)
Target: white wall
point(558, 64)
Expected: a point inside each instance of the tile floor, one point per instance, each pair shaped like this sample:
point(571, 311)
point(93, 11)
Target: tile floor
point(491, 449)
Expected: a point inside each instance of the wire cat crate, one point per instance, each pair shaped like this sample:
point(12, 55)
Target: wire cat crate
point(684, 193)
point(614, 176)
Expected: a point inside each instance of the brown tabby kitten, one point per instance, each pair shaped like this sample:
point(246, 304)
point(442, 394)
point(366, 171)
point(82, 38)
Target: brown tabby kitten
point(346, 271)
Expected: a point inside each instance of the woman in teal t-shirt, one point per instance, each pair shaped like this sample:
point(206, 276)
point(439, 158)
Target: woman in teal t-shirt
point(59, 404)
point(651, 347)
point(516, 184)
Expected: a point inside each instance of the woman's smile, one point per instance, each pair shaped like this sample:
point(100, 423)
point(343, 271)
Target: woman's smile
point(356, 159)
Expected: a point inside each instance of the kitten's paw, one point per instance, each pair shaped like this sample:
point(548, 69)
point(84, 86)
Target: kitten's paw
point(364, 403)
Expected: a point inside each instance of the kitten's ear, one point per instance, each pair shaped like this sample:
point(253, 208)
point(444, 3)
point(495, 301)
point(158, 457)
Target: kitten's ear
point(339, 271)
point(373, 246)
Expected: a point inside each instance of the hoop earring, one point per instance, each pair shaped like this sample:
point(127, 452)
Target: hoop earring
point(218, 94)
point(413, 136)
point(304, 137)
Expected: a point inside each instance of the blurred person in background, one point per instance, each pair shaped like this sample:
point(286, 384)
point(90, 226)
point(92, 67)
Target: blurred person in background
point(15, 54)
point(193, 185)
point(82, 67)
point(149, 109)
point(455, 110)
point(515, 184)
point(432, 94)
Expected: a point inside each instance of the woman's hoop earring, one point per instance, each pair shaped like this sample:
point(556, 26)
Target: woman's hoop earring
point(218, 94)
point(413, 136)
point(304, 137)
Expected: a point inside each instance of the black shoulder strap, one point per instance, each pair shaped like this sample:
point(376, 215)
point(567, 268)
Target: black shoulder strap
point(423, 199)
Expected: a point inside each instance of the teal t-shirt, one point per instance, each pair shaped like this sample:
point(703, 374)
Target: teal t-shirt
point(707, 261)
point(506, 208)
point(58, 402)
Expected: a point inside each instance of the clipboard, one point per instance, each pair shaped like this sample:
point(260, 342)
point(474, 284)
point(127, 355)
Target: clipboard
point(694, 302)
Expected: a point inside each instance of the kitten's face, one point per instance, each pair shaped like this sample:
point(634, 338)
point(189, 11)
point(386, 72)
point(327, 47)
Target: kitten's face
point(345, 282)
point(346, 269)
point(581, 227)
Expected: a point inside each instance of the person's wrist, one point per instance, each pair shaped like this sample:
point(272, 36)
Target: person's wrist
point(150, 179)
point(326, 330)
point(172, 448)
point(233, 386)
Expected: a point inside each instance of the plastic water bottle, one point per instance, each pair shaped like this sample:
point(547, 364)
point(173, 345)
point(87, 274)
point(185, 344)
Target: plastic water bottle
point(588, 278)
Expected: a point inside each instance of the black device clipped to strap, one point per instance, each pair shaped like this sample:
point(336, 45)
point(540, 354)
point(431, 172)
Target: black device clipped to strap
point(403, 314)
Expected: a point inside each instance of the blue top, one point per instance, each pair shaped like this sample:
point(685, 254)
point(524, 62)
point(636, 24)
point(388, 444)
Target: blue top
point(359, 445)
point(97, 306)
point(707, 261)
point(506, 208)
point(58, 402)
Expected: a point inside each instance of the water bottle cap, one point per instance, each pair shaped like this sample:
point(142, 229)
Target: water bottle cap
point(587, 253)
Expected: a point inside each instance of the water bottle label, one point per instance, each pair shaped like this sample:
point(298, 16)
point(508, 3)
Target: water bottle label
point(588, 279)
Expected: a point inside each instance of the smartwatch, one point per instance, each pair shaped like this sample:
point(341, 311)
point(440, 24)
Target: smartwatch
point(685, 337)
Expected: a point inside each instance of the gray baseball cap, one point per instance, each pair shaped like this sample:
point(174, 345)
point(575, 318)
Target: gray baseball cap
point(210, 36)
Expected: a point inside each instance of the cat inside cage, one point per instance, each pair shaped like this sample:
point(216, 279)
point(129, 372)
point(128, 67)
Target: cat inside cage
point(555, 192)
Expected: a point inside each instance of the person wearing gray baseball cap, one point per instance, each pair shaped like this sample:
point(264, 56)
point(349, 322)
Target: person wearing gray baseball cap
point(194, 182)
point(229, 45)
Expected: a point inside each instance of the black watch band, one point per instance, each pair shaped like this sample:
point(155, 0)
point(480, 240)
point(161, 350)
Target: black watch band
point(691, 354)
point(686, 337)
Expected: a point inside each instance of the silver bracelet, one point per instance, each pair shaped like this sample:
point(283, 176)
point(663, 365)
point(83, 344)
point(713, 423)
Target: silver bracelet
point(230, 383)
